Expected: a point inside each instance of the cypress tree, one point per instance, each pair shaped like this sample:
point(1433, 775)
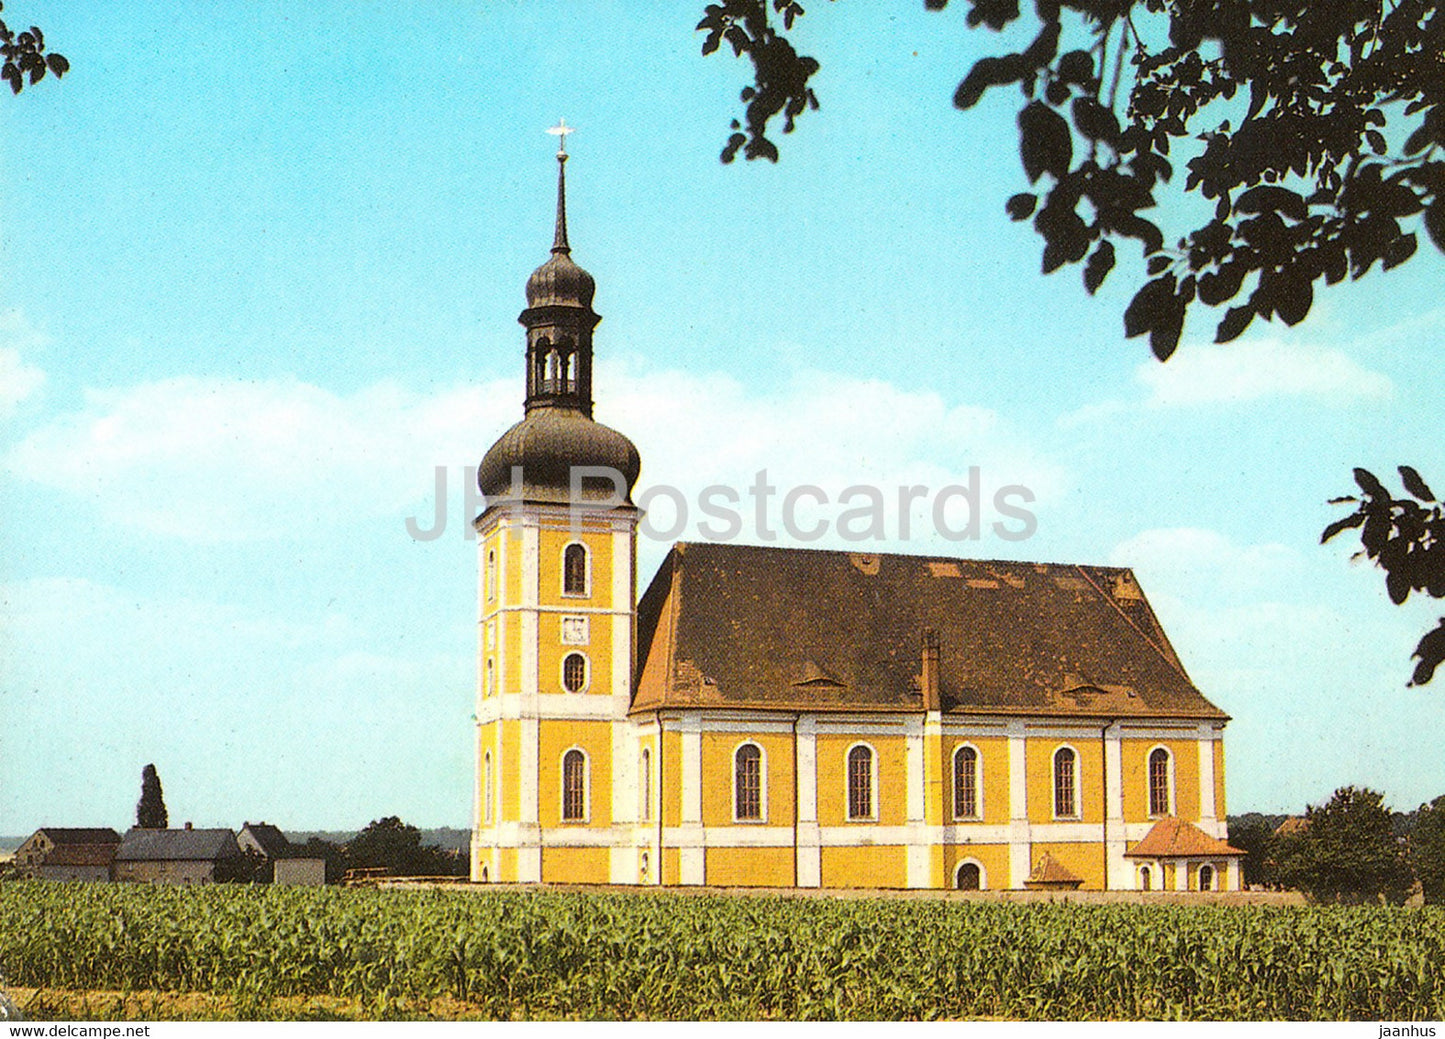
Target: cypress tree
point(150, 812)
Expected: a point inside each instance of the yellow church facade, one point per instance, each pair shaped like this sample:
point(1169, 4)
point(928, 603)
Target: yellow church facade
point(775, 717)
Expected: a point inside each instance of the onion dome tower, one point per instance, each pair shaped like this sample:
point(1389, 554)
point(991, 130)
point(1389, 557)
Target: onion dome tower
point(557, 760)
point(558, 432)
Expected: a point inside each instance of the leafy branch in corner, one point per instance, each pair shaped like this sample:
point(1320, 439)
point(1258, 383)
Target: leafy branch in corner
point(781, 73)
point(1316, 130)
point(25, 57)
point(1405, 537)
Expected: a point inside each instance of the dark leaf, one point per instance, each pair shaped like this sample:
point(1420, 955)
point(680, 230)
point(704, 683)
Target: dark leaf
point(1021, 206)
point(1377, 141)
point(1294, 295)
point(1268, 199)
point(1354, 519)
point(1397, 584)
point(1414, 484)
point(1236, 320)
point(1371, 486)
point(1435, 222)
point(1101, 262)
point(1076, 67)
point(1150, 305)
point(58, 64)
point(1418, 141)
point(1045, 144)
point(1431, 653)
point(1398, 251)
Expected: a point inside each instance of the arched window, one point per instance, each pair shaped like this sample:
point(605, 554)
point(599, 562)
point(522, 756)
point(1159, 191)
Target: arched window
point(748, 782)
point(574, 672)
point(574, 570)
point(965, 783)
point(491, 573)
point(491, 686)
point(642, 867)
point(860, 782)
point(969, 877)
point(1144, 878)
point(1206, 878)
point(1159, 781)
point(1065, 783)
point(487, 787)
point(574, 786)
point(644, 807)
point(484, 874)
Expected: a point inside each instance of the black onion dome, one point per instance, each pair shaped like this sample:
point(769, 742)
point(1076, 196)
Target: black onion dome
point(547, 444)
point(560, 283)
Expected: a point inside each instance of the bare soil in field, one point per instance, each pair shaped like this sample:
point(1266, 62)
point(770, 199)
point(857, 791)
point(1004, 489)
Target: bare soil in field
point(50, 1004)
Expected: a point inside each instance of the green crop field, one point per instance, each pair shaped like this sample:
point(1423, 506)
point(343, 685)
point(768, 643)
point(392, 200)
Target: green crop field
point(525, 955)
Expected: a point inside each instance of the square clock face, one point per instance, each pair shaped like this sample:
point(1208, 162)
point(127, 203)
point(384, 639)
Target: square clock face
point(574, 631)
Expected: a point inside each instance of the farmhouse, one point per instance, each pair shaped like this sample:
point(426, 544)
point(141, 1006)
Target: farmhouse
point(785, 717)
point(185, 856)
point(68, 853)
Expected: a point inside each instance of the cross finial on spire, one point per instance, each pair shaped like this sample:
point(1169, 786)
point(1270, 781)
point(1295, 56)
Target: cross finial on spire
point(560, 131)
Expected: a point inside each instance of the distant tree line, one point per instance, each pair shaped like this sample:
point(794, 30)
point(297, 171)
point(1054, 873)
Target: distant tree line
point(1353, 848)
point(388, 844)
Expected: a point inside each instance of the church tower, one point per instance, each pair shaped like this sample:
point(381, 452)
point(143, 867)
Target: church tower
point(557, 780)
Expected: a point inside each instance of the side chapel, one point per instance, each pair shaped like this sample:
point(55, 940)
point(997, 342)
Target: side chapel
point(782, 717)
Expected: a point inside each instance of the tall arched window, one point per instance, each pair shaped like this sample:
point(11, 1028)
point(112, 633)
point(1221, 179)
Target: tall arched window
point(860, 782)
point(1065, 783)
point(491, 573)
point(1206, 878)
point(491, 686)
point(487, 794)
point(1145, 878)
point(574, 786)
point(965, 783)
point(1159, 781)
point(574, 672)
point(574, 570)
point(748, 782)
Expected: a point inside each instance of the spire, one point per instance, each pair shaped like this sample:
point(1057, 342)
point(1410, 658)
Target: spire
point(559, 238)
point(559, 317)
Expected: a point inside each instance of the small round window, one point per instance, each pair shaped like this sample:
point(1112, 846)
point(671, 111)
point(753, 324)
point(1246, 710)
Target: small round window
point(574, 672)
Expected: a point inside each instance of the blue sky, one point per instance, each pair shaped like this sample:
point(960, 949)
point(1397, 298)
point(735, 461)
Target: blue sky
point(260, 267)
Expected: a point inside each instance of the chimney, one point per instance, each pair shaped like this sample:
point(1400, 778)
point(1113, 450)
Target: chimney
point(932, 700)
point(188, 826)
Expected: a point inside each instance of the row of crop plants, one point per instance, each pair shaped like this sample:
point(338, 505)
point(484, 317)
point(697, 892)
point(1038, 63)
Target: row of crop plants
point(518, 955)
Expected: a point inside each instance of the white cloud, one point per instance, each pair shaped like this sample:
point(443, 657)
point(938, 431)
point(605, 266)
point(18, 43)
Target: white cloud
point(20, 381)
point(1257, 369)
point(1204, 564)
point(212, 460)
point(217, 460)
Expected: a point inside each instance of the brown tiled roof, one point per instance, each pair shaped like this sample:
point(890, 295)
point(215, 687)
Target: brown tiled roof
point(80, 834)
point(1050, 873)
point(81, 855)
point(801, 629)
point(1174, 838)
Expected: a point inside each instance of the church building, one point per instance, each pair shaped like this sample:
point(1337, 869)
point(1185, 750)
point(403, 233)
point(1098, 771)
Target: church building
point(779, 717)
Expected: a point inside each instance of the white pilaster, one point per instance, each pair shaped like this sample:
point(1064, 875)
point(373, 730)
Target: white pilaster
point(914, 777)
point(809, 847)
point(1206, 780)
point(1018, 799)
point(1117, 871)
